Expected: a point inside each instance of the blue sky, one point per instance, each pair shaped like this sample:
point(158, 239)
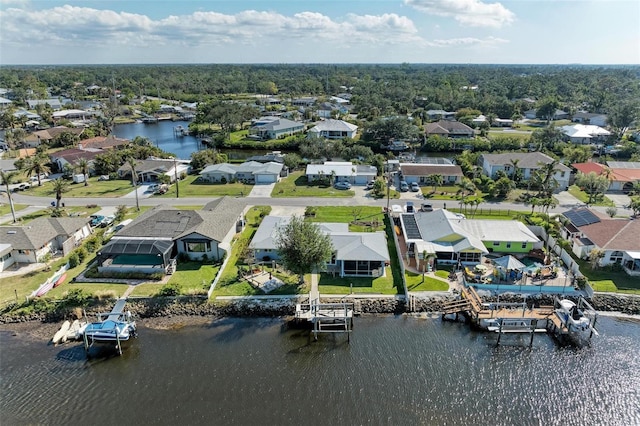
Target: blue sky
point(327, 31)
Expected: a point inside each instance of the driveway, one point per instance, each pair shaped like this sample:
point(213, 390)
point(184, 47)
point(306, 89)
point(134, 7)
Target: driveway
point(567, 200)
point(262, 190)
point(619, 199)
point(144, 191)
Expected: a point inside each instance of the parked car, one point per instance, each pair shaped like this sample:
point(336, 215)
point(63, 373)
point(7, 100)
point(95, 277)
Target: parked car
point(107, 221)
point(35, 178)
point(103, 177)
point(342, 185)
point(369, 185)
point(426, 207)
point(404, 186)
point(415, 187)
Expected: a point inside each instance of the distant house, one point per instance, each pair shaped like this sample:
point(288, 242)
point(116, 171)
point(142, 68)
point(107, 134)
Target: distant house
point(527, 162)
point(30, 243)
point(153, 242)
point(585, 134)
point(103, 142)
point(267, 128)
point(449, 129)
point(354, 253)
point(54, 103)
point(618, 238)
point(420, 173)
point(304, 101)
point(4, 102)
point(503, 122)
point(73, 155)
point(595, 119)
point(333, 129)
point(622, 175)
point(34, 139)
point(558, 115)
point(72, 114)
point(439, 114)
point(452, 239)
point(249, 171)
point(151, 170)
point(341, 171)
point(326, 109)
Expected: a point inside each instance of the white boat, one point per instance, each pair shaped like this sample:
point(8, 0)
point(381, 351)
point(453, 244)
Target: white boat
point(572, 317)
point(76, 331)
point(117, 327)
point(60, 334)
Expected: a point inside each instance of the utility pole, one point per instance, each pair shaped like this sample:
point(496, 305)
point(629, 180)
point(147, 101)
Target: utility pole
point(175, 171)
point(388, 186)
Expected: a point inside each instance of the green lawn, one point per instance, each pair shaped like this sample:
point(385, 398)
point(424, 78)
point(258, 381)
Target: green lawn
point(604, 279)
point(6, 208)
point(296, 185)
point(418, 282)
point(188, 187)
point(584, 197)
point(336, 285)
point(107, 188)
point(83, 211)
point(368, 218)
point(494, 133)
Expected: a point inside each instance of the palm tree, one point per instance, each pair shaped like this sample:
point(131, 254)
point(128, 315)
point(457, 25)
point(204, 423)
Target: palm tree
point(547, 178)
point(7, 178)
point(83, 165)
point(134, 178)
point(60, 186)
point(475, 202)
point(514, 174)
point(37, 166)
point(436, 180)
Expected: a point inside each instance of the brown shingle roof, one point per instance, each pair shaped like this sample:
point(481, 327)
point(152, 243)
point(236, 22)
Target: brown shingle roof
point(614, 234)
point(411, 169)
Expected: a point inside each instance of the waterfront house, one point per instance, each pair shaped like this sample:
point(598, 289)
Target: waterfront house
point(587, 230)
point(527, 162)
point(341, 171)
point(103, 142)
point(449, 129)
point(249, 171)
point(354, 253)
point(154, 240)
point(266, 128)
point(453, 239)
point(585, 134)
point(30, 243)
point(151, 170)
point(421, 173)
point(333, 129)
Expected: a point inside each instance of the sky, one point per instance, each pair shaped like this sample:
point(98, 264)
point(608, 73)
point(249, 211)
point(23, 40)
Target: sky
point(320, 31)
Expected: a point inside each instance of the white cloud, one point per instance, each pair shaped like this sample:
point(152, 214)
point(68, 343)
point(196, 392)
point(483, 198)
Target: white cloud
point(79, 26)
point(473, 13)
point(468, 41)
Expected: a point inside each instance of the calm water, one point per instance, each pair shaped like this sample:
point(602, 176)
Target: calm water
point(162, 135)
point(395, 370)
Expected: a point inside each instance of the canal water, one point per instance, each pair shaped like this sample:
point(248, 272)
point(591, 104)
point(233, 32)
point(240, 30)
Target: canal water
point(395, 370)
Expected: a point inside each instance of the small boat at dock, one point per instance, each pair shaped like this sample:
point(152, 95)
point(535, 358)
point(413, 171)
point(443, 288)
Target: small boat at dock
point(115, 327)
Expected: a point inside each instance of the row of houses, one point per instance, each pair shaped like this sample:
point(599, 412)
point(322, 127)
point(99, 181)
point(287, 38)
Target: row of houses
point(622, 175)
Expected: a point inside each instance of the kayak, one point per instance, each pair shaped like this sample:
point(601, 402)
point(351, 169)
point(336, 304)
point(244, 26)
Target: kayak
point(57, 338)
point(59, 280)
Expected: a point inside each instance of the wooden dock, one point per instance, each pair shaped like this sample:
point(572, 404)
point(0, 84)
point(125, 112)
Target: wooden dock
point(326, 317)
point(508, 317)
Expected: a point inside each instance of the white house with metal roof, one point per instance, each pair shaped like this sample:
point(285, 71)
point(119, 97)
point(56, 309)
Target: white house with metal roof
point(333, 129)
point(341, 171)
point(354, 253)
point(266, 128)
point(585, 134)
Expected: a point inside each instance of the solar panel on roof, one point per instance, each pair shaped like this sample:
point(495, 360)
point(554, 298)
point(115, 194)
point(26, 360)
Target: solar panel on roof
point(581, 217)
point(411, 227)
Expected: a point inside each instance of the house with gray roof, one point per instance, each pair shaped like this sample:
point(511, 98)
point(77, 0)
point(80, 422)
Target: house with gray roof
point(527, 162)
point(249, 171)
point(152, 169)
point(592, 118)
point(354, 253)
point(153, 242)
point(453, 239)
point(421, 173)
point(274, 128)
point(31, 242)
point(333, 129)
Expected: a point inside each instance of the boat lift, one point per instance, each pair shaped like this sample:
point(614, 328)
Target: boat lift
point(117, 314)
point(327, 317)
